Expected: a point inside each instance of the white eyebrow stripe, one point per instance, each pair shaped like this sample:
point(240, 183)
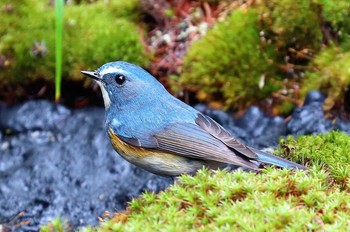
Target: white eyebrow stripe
point(111, 70)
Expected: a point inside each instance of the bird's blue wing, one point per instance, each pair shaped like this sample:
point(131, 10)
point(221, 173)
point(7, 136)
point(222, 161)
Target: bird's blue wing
point(217, 131)
point(220, 133)
point(202, 139)
point(190, 140)
point(207, 140)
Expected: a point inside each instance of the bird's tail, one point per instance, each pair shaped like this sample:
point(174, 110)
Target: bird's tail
point(268, 158)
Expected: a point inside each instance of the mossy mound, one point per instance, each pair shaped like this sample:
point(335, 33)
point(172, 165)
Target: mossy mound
point(230, 61)
point(327, 152)
point(258, 50)
point(94, 34)
point(329, 73)
point(336, 18)
point(291, 24)
point(276, 199)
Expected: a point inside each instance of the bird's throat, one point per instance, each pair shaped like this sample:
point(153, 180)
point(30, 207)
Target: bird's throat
point(105, 96)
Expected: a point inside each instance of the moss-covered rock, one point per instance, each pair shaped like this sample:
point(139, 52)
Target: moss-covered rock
point(276, 199)
point(230, 62)
point(93, 34)
point(306, 35)
point(291, 24)
point(329, 73)
point(336, 19)
point(246, 57)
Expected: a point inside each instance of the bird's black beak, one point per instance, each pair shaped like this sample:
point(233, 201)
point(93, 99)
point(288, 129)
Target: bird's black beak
point(94, 75)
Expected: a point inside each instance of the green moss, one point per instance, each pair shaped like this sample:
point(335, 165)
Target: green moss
point(240, 201)
point(230, 62)
point(87, 41)
point(273, 200)
point(57, 225)
point(329, 73)
point(286, 108)
point(302, 31)
point(243, 59)
point(292, 24)
point(298, 29)
point(329, 152)
point(337, 14)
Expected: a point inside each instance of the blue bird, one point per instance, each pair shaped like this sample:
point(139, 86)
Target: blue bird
point(154, 130)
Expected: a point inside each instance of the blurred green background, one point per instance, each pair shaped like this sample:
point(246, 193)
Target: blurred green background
point(229, 54)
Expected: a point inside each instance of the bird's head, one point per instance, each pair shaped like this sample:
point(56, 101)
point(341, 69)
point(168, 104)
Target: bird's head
point(122, 82)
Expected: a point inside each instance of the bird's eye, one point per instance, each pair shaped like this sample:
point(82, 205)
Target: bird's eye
point(120, 79)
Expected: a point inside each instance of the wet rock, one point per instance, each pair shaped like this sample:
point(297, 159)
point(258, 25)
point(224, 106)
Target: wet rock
point(314, 96)
point(62, 164)
point(308, 119)
point(202, 108)
point(157, 183)
point(252, 119)
point(347, 101)
point(23, 117)
point(262, 130)
point(342, 125)
point(270, 132)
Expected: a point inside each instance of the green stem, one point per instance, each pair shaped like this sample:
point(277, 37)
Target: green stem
point(59, 28)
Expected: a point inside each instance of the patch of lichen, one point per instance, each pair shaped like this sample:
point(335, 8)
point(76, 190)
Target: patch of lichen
point(275, 199)
point(230, 61)
point(27, 38)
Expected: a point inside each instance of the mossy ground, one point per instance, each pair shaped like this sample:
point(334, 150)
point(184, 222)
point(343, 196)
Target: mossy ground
point(240, 201)
point(27, 38)
point(273, 200)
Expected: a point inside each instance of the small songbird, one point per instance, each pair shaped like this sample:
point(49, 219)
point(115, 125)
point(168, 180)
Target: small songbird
point(152, 129)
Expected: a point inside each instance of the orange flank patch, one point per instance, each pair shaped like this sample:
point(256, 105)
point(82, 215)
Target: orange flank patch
point(123, 148)
point(155, 161)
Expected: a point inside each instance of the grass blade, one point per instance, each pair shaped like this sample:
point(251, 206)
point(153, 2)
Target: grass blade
point(58, 47)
